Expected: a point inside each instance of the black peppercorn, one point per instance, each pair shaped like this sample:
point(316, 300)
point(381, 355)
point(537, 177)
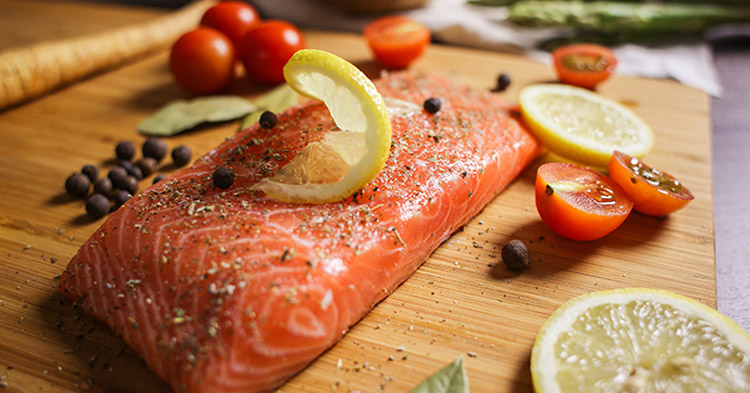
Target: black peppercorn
point(223, 178)
point(120, 197)
point(125, 150)
point(148, 166)
point(432, 105)
point(515, 255)
point(158, 178)
point(97, 206)
point(117, 175)
point(503, 81)
point(77, 185)
point(103, 186)
point(129, 184)
point(181, 155)
point(154, 148)
point(91, 171)
point(268, 120)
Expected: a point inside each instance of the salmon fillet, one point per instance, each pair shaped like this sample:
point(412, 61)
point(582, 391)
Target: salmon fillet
point(230, 291)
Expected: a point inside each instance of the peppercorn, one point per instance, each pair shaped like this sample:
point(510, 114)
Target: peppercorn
point(158, 178)
point(125, 150)
point(97, 206)
point(117, 175)
point(103, 186)
point(136, 173)
point(181, 155)
point(148, 166)
point(91, 171)
point(515, 255)
point(268, 120)
point(432, 105)
point(125, 164)
point(223, 178)
point(120, 198)
point(77, 185)
point(129, 184)
point(503, 81)
point(132, 169)
point(154, 148)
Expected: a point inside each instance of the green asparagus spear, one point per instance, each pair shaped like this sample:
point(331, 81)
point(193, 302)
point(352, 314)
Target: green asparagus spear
point(614, 17)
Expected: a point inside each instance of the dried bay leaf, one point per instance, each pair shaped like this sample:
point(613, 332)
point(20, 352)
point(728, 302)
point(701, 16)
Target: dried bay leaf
point(449, 379)
point(182, 115)
point(276, 100)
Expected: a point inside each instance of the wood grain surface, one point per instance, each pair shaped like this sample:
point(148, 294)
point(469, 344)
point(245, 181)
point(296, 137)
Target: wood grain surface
point(451, 307)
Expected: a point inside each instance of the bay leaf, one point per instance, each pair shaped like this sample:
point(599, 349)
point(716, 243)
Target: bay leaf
point(449, 379)
point(277, 100)
point(182, 115)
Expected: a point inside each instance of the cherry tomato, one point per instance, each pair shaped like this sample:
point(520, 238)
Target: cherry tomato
point(579, 203)
point(652, 191)
point(233, 18)
point(266, 49)
point(584, 65)
point(397, 41)
point(202, 61)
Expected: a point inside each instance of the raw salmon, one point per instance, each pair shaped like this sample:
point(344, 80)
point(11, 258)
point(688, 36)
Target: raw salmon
point(230, 291)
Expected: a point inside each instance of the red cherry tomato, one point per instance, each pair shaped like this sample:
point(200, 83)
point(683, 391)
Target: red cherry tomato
point(202, 61)
point(584, 65)
point(233, 18)
point(397, 41)
point(652, 191)
point(579, 203)
point(266, 49)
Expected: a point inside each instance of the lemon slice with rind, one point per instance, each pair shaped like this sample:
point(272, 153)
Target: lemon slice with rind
point(640, 340)
point(343, 161)
point(581, 125)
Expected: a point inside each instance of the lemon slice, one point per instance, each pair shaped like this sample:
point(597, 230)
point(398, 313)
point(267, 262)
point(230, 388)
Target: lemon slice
point(344, 161)
point(583, 126)
point(640, 340)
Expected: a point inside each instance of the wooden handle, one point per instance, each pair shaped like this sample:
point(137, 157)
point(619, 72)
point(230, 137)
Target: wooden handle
point(31, 71)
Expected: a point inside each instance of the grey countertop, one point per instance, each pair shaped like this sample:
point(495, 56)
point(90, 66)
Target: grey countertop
point(730, 123)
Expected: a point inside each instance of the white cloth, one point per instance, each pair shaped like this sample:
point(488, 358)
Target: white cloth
point(458, 23)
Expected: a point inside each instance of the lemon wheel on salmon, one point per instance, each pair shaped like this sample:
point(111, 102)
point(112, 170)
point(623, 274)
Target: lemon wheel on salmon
point(640, 340)
point(339, 165)
point(581, 125)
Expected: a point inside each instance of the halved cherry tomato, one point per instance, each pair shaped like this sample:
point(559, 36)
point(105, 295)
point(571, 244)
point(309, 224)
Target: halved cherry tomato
point(233, 18)
point(652, 191)
point(266, 49)
point(202, 61)
point(579, 203)
point(584, 65)
point(397, 41)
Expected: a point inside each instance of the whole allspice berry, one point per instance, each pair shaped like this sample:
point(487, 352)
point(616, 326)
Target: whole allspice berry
point(148, 166)
point(120, 197)
point(223, 178)
point(91, 171)
point(154, 148)
point(77, 185)
point(181, 155)
point(117, 175)
point(129, 184)
point(515, 255)
point(103, 186)
point(125, 150)
point(97, 206)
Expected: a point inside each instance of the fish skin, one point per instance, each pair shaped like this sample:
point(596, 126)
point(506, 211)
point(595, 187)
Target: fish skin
point(230, 291)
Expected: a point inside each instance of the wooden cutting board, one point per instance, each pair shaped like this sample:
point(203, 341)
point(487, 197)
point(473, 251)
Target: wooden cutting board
point(451, 307)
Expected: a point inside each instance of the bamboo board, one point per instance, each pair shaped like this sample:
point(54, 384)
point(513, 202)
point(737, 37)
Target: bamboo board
point(450, 307)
